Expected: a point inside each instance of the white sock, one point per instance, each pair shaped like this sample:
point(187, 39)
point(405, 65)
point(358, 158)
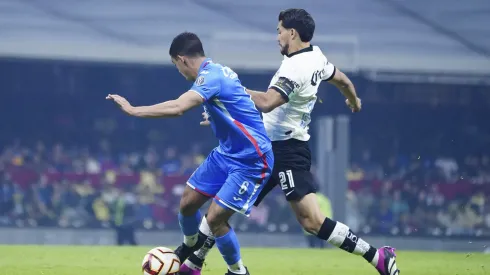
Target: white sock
point(238, 268)
point(204, 227)
point(204, 250)
point(374, 262)
point(209, 243)
point(190, 241)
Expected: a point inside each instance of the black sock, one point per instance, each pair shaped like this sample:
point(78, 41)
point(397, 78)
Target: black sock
point(369, 256)
point(198, 257)
point(327, 229)
point(184, 251)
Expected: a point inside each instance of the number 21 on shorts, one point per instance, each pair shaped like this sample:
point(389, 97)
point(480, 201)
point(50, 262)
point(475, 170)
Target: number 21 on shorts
point(286, 180)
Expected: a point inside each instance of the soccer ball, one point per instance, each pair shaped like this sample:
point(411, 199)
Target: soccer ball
point(160, 261)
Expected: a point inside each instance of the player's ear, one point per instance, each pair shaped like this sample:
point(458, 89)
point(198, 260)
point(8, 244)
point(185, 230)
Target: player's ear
point(294, 34)
point(181, 59)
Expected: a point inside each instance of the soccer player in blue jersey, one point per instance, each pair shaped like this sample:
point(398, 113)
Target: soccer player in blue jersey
point(235, 172)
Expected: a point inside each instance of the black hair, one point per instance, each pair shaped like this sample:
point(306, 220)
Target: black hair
point(300, 20)
point(186, 44)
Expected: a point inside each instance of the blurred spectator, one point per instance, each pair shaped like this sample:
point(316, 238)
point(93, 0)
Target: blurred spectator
point(7, 195)
point(392, 169)
point(171, 164)
point(384, 220)
point(448, 166)
point(355, 173)
point(125, 218)
point(370, 168)
point(399, 206)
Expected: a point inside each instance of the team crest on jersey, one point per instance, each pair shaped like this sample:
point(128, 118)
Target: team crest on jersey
point(200, 81)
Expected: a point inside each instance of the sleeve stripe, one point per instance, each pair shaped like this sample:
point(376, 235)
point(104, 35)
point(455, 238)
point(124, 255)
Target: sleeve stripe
point(333, 74)
point(281, 91)
point(201, 95)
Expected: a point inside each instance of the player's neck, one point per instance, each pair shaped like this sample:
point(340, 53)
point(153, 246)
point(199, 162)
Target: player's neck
point(196, 65)
point(298, 47)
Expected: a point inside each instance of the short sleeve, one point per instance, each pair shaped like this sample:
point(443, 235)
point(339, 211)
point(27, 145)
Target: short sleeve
point(329, 71)
point(207, 85)
point(288, 80)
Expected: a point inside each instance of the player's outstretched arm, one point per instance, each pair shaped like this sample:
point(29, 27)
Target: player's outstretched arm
point(344, 84)
point(268, 101)
point(171, 108)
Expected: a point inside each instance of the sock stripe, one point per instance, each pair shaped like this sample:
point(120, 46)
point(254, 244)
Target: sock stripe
point(326, 229)
point(370, 254)
point(347, 245)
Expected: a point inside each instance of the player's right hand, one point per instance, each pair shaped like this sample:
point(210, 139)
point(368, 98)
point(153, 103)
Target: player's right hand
point(205, 121)
point(354, 106)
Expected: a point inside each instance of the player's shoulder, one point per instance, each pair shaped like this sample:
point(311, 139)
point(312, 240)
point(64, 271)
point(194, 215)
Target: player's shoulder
point(305, 61)
point(211, 70)
point(317, 51)
point(210, 74)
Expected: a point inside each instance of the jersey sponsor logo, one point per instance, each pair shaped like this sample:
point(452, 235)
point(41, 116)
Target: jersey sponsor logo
point(200, 81)
point(317, 75)
point(352, 237)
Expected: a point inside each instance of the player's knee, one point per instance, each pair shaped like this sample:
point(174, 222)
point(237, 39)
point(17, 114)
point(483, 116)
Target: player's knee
point(188, 206)
point(187, 209)
point(311, 221)
point(191, 201)
point(308, 213)
point(216, 224)
point(217, 218)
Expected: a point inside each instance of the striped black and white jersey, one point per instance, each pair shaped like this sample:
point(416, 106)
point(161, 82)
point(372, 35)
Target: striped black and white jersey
point(297, 80)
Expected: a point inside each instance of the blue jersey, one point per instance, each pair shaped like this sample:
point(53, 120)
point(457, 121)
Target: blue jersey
point(234, 119)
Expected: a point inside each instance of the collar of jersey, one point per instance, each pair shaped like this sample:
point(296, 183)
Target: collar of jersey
point(308, 49)
point(205, 63)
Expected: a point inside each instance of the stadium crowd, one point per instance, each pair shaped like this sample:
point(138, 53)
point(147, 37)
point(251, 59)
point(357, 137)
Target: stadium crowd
point(426, 172)
point(75, 187)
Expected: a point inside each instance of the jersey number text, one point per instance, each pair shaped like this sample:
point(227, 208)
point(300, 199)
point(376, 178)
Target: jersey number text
point(286, 183)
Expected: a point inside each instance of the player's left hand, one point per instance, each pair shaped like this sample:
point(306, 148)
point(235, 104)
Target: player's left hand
point(122, 103)
point(354, 106)
point(205, 121)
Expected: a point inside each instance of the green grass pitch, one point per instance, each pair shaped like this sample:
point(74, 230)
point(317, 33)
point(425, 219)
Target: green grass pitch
point(111, 260)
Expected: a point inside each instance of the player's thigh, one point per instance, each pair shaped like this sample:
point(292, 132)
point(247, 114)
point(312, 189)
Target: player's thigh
point(269, 186)
point(244, 183)
point(308, 213)
point(191, 201)
point(204, 183)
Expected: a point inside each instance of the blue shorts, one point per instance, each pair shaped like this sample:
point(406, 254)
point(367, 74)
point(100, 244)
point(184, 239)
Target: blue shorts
point(235, 183)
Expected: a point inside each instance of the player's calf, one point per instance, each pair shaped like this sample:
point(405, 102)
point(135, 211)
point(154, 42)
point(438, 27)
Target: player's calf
point(308, 215)
point(340, 235)
point(225, 237)
point(189, 220)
